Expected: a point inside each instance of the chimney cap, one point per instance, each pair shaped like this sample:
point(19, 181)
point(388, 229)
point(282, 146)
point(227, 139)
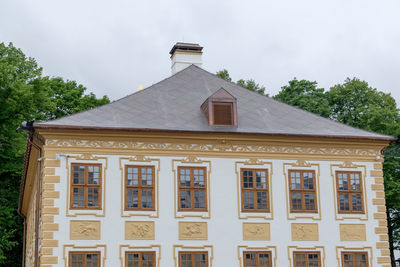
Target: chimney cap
point(188, 47)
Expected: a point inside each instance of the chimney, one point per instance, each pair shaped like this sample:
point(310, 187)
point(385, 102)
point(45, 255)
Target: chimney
point(185, 54)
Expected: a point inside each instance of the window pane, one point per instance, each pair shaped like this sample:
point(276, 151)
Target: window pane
point(77, 260)
point(147, 259)
point(308, 180)
point(344, 202)
point(185, 199)
point(147, 198)
point(296, 201)
point(78, 174)
point(199, 199)
point(263, 259)
point(133, 176)
point(295, 182)
point(93, 175)
point(356, 202)
point(361, 260)
point(92, 260)
point(355, 181)
point(342, 180)
point(198, 178)
point(78, 197)
point(133, 198)
point(200, 260)
point(186, 260)
point(309, 201)
point(93, 197)
point(147, 176)
point(300, 260)
point(250, 260)
point(262, 200)
point(247, 179)
point(248, 198)
point(313, 260)
point(185, 178)
point(348, 260)
point(261, 179)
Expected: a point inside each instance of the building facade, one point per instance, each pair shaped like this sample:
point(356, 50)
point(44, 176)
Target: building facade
point(197, 171)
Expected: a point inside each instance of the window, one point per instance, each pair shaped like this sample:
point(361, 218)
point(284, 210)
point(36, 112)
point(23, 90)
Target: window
point(306, 259)
point(192, 189)
point(193, 259)
point(354, 259)
point(255, 191)
point(220, 109)
point(349, 192)
point(84, 259)
point(257, 259)
point(140, 259)
point(139, 188)
point(302, 191)
point(86, 186)
point(223, 113)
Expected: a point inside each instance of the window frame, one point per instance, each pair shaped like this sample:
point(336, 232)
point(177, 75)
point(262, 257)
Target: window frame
point(257, 258)
point(85, 186)
point(306, 254)
point(354, 258)
point(140, 188)
point(192, 189)
point(267, 190)
point(302, 191)
point(140, 258)
point(70, 253)
point(193, 258)
point(349, 192)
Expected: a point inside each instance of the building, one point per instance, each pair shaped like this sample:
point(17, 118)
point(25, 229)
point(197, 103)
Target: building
point(197, 171)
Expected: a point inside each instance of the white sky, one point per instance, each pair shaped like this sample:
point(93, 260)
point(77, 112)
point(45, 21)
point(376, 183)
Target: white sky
point(113, 46)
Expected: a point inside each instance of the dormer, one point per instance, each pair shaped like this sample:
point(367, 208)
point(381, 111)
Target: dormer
point(220, 109)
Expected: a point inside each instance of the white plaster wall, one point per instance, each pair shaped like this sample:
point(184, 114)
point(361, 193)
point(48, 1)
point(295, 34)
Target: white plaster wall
point(224, 227)
point(182, 61)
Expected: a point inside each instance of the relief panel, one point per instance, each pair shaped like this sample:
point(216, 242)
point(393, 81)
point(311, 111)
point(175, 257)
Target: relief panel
point(193, 231)
point(85, 230)
point(305, 232)
point(352, 232)
point(139, 230)
point(256, 231)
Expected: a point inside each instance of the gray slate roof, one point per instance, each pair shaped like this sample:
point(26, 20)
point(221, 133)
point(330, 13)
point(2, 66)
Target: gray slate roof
point(174, 104)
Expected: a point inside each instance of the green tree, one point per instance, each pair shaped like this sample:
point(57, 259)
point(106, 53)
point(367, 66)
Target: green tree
point(224, 74)
point(305, 95)
point(249, 84)
point(357, 104)
point(26, 95)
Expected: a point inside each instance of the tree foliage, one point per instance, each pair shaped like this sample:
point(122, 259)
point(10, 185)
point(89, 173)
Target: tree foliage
point(26, 95)
point(249, 84)
point(305, 95)
point(357, 104)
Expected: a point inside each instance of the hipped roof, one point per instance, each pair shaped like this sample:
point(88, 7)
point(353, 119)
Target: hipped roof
point(174, 104)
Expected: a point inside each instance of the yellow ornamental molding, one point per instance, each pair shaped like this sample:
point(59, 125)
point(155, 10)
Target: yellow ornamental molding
point(141, 230)
point(352, 232)
point(221, 146)
point(85, 230)
point(305, 232)
point(256, 231)
point(193, 231)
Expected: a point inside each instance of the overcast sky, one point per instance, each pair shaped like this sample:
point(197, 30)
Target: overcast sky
point(113, 46)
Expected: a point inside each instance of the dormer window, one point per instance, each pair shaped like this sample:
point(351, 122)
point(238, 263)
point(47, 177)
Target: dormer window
point(220, 109)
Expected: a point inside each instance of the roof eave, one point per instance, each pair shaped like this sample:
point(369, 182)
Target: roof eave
point(388, 139)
